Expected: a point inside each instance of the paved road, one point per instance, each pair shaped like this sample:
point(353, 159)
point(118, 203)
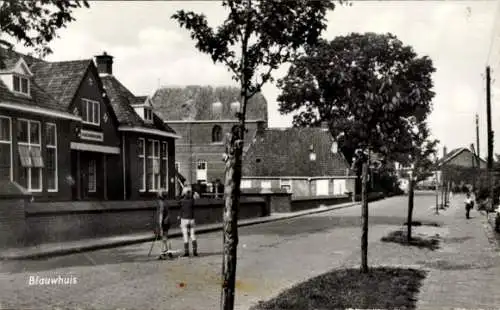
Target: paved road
point(272, 256)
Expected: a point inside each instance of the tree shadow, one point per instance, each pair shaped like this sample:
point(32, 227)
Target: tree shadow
point(424, 223)
point(400, 237)
point(381, 288)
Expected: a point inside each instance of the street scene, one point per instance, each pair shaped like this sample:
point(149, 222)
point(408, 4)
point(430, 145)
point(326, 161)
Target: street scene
point(272, 257)
point(247, 154)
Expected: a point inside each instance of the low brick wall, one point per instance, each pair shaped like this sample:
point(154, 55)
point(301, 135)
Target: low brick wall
point(13, 202)
point(305, 203)
point(12, 222)
point(66, 221)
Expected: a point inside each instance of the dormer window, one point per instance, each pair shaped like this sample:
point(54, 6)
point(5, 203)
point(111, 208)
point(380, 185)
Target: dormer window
point(148, 114)
point(20, 84)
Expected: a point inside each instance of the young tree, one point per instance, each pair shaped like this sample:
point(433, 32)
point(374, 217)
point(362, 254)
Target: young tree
point(366, 86)
point(35, 23)
point(255, 39)
point(420, 159)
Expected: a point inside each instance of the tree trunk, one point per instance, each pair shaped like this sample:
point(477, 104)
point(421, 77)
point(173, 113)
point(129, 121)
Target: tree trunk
point(411, 191)
point(364, 219)
point(230, 232)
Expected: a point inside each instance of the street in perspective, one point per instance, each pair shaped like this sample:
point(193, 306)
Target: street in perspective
point(253, 155)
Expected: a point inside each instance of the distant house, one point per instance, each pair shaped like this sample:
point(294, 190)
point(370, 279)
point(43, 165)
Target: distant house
point(62, 138)
point(462, 157)
point(202, 115)
point(304, 161)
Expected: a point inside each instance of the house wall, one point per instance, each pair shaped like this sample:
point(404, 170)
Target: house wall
point(133, 181)
point(63, 155)
point(196, 144)
point(302, 187)
point(108, 125)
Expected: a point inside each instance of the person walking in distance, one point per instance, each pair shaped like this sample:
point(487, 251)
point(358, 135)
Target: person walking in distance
point(163, 217)
point(188, 223)
point(469, 204)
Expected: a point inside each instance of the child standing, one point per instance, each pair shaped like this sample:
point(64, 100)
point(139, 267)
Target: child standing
point(164, 224)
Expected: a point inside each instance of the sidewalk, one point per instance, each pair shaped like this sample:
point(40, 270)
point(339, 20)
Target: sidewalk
point(64, 248)
point(465, 272)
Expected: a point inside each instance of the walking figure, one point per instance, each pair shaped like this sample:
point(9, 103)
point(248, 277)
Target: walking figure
point(188, 223)
point(469, 204)
point(164, 225)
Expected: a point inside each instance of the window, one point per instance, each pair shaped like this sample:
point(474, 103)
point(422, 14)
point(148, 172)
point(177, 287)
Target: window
point(286, 184)
point(216, 109)
point(164, 167)
point(339, 187)
point(201, 171)
point(246, 184)
point(20, 84)
point(217, 134)
point(92, 180)
point(322, 187)
point(265, 184)
point(235, 107)
point(5, 148)
point(148, 114)
point(153, 165)
point(91, 112)
point(51, 146)
point(142, 163)
point(30, 155)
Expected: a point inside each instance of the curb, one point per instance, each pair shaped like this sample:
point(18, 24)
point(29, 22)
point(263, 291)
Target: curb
point(118, 243)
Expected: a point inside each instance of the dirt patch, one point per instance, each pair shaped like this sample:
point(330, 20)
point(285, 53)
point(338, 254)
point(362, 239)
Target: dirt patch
point(381, 288)
point(421, 241)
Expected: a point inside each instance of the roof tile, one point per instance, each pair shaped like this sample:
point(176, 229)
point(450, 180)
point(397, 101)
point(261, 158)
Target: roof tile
point(285, 152)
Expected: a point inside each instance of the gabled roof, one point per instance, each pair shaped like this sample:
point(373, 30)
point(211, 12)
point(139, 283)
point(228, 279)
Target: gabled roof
point(195, 102)
point(285, 152)
point(452, 154)
point(61, 79)
point(122, 100)
point(39, 97)
point(10, 58)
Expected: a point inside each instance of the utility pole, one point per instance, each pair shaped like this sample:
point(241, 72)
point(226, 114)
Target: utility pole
point(478, 147)
point(478, 156)
point(490, 133)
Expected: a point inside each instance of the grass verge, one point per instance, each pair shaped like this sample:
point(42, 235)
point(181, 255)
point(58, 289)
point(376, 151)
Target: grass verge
point(381, 288)
point(400, 237)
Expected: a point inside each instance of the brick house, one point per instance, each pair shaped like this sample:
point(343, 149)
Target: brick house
point(303, 161)
point(63, 139)
point(203, 115)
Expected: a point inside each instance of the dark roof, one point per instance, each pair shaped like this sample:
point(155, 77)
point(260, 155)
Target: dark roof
point(10, 58)
point(39, 96)
point(452, 154)
point(285, 152)
point(121, 100)
point(195, 102)
point(140, 99)
point(61, 79)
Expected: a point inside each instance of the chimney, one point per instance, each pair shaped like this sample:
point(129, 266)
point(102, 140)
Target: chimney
point(445, 151)
point(261, 126)
point(104, 64)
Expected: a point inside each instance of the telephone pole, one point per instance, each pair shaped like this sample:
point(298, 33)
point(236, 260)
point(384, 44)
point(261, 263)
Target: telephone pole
point(490, 132)
point(478, 147)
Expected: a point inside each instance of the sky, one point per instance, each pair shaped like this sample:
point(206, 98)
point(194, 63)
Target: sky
point(150, 49)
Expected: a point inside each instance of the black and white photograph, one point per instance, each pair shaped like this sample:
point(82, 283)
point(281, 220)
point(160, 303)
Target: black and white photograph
point(249, 154)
